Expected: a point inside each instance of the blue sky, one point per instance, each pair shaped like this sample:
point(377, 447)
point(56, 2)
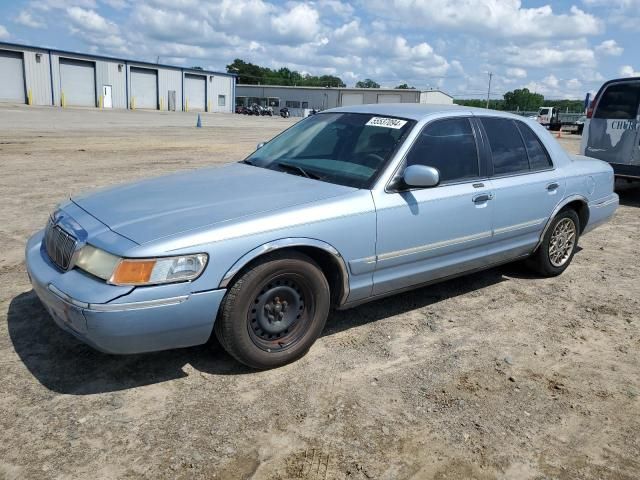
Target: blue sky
point(560, 49)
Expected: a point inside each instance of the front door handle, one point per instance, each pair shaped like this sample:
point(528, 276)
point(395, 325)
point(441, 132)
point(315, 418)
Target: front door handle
point(552, 186)
point(483, 197)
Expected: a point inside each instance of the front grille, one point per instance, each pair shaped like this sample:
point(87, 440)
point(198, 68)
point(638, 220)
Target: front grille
point(59, 245)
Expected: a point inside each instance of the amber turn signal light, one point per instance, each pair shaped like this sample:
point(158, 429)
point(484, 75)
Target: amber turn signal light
point(133, 272)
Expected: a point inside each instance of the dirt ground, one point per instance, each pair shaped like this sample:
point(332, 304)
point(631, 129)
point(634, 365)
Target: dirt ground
point(496, 375)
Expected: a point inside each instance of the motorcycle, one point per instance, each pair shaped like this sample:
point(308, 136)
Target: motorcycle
point(284, 112)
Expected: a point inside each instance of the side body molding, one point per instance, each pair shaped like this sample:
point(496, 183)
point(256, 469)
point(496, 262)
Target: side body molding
point(560, 206)
point(287, 243)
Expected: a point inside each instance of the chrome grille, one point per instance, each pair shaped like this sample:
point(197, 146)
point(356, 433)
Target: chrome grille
point(59, 245)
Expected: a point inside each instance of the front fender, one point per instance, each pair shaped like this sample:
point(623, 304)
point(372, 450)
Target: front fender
point(288, 243)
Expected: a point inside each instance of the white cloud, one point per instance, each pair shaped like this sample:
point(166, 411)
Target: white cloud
point(497, 18)
point(28, 20)
point(47, 5)
point(90, 20)
point(341, 9)
point(538, 56)
point(117, 4)
point(610, 47)
point(629, 71)
point(621, 13)
point(301, 23)
point(517, 72)
point(96, 30)
point(4, 34)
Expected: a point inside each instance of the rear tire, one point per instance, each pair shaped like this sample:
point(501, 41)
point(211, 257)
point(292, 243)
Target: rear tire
point(558, 246)
point(275, 311)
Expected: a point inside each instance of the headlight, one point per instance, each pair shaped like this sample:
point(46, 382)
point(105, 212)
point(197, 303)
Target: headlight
point(97, 262)
point(152, 271)
point(147, 271)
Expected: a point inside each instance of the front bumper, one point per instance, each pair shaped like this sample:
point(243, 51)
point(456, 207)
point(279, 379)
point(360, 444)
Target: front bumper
point(119, 326)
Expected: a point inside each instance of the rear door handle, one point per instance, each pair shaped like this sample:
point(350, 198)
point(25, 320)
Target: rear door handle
point(552, 186)
point(483, 197)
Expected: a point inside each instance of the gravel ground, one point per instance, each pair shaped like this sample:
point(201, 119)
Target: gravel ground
point(495, 375)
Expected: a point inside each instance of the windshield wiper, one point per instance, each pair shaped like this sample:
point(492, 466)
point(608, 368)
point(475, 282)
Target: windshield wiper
point(298, 169)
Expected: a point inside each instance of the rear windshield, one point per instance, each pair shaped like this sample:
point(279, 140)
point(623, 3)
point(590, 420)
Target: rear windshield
point(619, 101)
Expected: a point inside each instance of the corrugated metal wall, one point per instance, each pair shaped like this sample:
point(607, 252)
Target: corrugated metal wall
point(37, 76)
point(169, 79)
point(112, 73)
point(41, 72)
point(221, 86)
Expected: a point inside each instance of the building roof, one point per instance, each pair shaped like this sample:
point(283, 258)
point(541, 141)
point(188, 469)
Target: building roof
point(117, 59)
point(350, 89)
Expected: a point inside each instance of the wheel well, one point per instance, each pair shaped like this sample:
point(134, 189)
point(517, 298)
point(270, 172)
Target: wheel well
point(582, 210)
point(325, 260)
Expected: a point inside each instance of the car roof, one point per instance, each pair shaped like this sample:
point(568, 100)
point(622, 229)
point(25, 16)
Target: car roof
point(417, 111)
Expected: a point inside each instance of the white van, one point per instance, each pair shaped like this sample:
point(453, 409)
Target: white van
point(612, 128)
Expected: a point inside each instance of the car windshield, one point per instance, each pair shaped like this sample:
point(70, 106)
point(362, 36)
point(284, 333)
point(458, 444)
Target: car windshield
point(344, 148)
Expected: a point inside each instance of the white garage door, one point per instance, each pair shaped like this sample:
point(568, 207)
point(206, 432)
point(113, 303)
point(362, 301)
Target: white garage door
point(352, 99)
point(389, 98)
point(195, 91)
point(78, 82)
point(11, 77)
point(144, 88)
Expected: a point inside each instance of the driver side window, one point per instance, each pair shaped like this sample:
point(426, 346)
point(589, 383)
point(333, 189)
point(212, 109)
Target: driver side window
point(450, 146)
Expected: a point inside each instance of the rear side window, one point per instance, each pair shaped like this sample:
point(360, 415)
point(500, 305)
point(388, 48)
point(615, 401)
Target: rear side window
point(450, 146)
point(507, 149)
point(619, 102)
point(538, 157)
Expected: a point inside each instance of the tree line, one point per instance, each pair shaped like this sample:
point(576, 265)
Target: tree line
point(523, 100)
point(519, 99)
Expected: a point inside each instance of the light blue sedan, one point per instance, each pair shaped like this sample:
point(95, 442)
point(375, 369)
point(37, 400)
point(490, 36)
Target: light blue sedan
point(346, 206)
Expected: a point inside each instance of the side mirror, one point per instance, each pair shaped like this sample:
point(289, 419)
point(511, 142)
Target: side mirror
point(421, 176)
point(260, 145)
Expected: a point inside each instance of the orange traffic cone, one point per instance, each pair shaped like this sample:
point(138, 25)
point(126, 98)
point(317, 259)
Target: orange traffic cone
point(559, 133)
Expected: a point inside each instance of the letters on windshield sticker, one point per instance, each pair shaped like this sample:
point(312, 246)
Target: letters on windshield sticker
point(386, 122)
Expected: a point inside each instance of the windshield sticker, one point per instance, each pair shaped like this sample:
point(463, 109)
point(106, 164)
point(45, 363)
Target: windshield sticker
point(386, 122)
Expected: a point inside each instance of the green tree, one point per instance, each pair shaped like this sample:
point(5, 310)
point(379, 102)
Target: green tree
point(367, 83)
point(522, 99)
point(251, 74)
point(404, 86)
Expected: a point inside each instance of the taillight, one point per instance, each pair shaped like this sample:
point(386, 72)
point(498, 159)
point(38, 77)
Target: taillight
point(591, 107)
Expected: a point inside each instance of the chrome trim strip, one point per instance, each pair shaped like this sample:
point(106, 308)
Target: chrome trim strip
point(116, 307)
point(433, 246)
point(518, 226)
point(291, 242)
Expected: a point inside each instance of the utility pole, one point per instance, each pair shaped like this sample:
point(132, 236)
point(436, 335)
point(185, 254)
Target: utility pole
point(489, 91)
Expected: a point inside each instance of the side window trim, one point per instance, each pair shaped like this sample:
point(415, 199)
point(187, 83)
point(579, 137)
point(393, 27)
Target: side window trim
point(484, 150)
point(491, 174)
point(520, 125)
point(403, 163)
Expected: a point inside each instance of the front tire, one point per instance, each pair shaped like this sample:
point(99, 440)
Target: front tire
point(275, 311)
point(558, 246)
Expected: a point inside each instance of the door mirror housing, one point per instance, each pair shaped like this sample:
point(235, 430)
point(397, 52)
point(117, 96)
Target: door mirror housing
point(421, 176)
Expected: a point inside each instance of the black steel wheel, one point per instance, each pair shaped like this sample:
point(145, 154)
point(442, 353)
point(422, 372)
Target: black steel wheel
point(275, 311)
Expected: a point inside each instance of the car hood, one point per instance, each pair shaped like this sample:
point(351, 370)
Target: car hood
point(155, 208)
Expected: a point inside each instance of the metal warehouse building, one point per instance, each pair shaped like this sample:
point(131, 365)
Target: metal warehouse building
point(39, 76)
point(298, 99)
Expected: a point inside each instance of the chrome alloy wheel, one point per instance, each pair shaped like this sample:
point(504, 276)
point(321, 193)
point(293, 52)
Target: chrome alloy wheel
point(563, 240)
